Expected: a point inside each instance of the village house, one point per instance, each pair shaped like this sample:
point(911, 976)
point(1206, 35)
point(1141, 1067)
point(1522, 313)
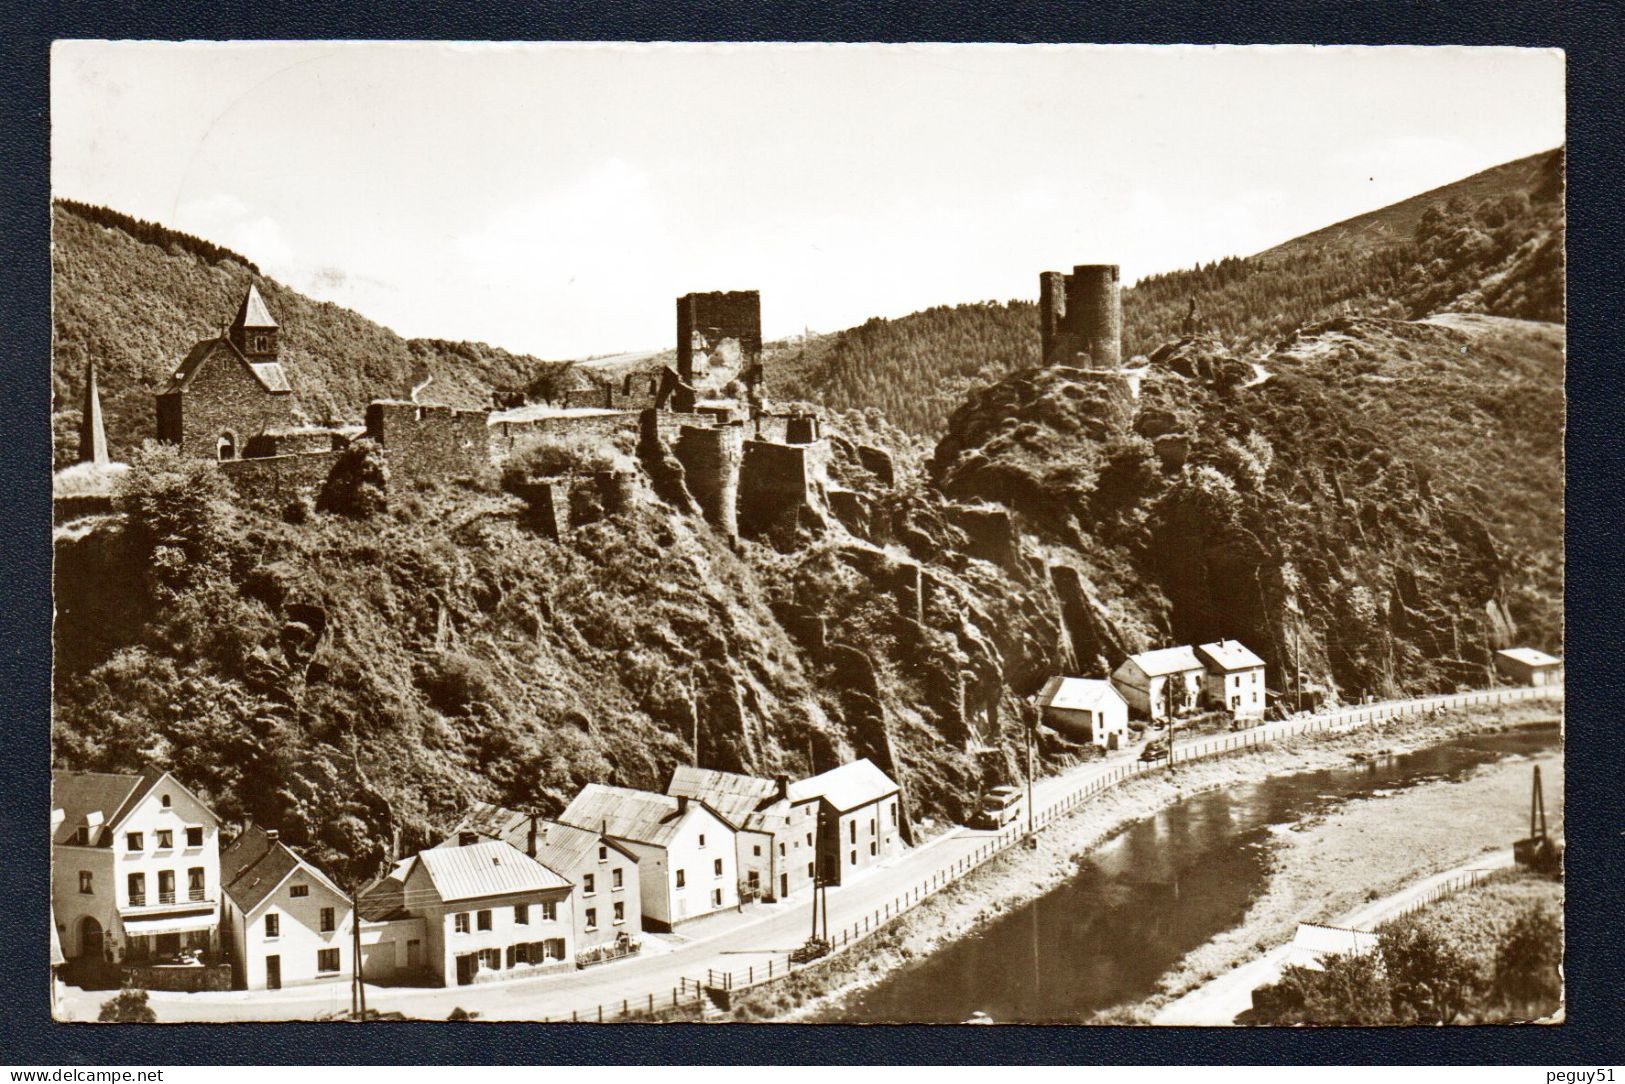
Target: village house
point(776, 838)
point(135, 868)
point(859, 819)
point(284, 923)
point(688, 864)
point(1085, 709)
point(1235, 679)
point(606, 900)
point(1527, 666)
point(1160, 684)
point(489, 911)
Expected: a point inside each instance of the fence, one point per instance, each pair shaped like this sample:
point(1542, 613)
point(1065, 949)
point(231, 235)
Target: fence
point(1448, 887)
point(702, 996)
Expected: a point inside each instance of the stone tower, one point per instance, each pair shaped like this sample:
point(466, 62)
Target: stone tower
point(1080, 317)
point(92, 434)
point(254, 332)
point(719, 342)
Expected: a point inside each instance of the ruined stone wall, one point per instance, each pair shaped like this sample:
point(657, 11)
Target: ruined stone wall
point(780, 480)
point(719, 339)
point(280, 480)
point(508, 439)
point(429, 442)
point(710, 458)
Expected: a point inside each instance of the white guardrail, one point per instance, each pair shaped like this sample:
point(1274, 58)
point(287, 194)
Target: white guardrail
point(693, 994)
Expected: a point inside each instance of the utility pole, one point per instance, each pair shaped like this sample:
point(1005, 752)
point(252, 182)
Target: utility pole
point(1297, 666)
point(358, 985)
point(1031, 733)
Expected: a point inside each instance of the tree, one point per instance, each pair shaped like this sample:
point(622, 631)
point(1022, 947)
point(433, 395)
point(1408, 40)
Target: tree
point(1430, 980)
point(1528, 959)
point(359, 482)
point(178, 514)
point(129, 1006)
point(1348, 990)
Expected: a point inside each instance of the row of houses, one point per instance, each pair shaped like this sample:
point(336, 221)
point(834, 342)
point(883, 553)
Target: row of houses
point(1156, 685)
point(1222, 676)
point(142, 884)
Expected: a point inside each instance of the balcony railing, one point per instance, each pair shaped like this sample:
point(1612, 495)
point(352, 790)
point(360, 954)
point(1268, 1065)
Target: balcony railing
point(166, 895)
point(194, 894)
point(138, 900)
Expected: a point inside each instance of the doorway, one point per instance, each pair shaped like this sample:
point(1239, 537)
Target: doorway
point(784, 885)
point(273, 972)
point(466, 967)
point(90, 938)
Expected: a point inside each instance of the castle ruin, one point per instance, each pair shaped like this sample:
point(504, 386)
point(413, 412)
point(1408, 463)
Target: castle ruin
point(1080, 317)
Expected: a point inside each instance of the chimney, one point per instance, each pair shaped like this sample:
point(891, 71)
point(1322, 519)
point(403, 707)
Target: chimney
point(271, 835)
point(682, 803)
point(530, 838)
point(783, 782)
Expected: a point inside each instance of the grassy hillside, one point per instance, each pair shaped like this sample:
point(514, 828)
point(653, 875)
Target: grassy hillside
point(1490, 243)
point(135, 296)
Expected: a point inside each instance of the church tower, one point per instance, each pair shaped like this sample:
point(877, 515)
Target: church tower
point(92, 434)
point(253, 332)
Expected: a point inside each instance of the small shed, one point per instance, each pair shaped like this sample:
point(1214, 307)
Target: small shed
point(1087, 709)
point(1527, 666)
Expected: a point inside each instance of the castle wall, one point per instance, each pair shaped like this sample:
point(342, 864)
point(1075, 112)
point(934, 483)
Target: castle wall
point(280, 479)
point(711, 459)
point(779, 480)
point(429, 442)
point(706, 324)
point(508, 439)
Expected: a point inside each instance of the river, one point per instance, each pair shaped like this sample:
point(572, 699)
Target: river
point(1141, 901)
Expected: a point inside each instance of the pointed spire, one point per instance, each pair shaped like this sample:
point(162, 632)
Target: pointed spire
point(254, 332)
point(92, 434)
point(252, 312)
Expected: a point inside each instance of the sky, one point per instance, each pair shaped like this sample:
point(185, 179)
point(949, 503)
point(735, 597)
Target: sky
point(555, 199)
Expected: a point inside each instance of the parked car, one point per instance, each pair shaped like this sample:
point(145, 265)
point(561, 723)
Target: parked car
point(1154, 750)
point(998, 807)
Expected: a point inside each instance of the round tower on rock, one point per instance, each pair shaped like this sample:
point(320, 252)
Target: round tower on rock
point(1094, 313)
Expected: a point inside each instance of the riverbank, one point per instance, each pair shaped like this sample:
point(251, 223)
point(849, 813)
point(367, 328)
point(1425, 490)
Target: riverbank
point(1362, 851)
point(1020, 875)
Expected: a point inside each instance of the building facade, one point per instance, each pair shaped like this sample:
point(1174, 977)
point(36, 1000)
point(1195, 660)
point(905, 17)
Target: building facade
point(775, 838)
point(1160, 684)
point(1085, 709)
point(283, 921)
point(688, 864)
point(489, 912)
point(859, 818)
point(135, 867)
point(1527, 666)
point(1235, 679)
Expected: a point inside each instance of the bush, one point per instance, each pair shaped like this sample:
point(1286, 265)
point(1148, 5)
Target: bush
point(1431, 982)
point(553, 457)
point(178, 513)
point(128, 1007)
point(359, 483)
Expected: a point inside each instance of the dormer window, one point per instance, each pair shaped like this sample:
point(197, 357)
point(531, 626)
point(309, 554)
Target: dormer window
point(82, 836)
point(225, 447)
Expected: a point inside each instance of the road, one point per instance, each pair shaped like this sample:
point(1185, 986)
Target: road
point(743, 943)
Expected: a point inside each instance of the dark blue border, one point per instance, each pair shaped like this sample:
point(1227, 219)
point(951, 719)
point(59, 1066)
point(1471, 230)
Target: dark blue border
point(1591, 34)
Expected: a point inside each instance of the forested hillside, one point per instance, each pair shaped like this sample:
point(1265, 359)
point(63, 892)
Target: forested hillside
point(135, 296)
point(1491, 243)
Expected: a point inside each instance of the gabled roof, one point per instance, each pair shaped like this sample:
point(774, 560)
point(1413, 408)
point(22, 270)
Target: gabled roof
point(564, 847)
point(252, 312)
point(847, 787)
point(78, 794)
point(1077, 694)
point(270, 374)
point(1313, 941)
point(1530, 656)
point(1229, 655)
point(741, 800)
point(492, 822)
point(494, 868)
point(640, 816)
point(253, 865)
point(1167, 660)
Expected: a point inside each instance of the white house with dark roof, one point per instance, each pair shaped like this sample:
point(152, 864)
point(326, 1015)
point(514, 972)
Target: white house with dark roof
point(860, 821)
point(489, 911)
point(1085, 709)
point(688, 863)
point(1162, 683)
point(1528, 666)
point(284, 922)
point(135, 867)
point(606, 897)
point(1235, 678)
point(776, 839)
